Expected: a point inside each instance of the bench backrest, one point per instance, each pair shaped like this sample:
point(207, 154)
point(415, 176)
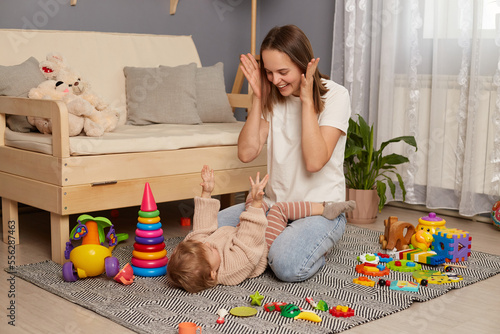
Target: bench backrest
point(99, 56)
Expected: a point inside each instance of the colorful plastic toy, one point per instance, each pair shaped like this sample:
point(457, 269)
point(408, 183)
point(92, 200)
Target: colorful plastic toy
point(404, 286)
point(256, 298)
point(431, 223)
point(311, 302)
point(421, 240)
point(221, 313)
point(321, 305)
point(368, 258)
point(91, 258)
point(274, 306)
point(243, 311)
point(384, 282)
point(384, 258)
point(362, 280)
point(495, 214)
point(125, 276)
point(425, 257)
point(149, 258)
point(308, 315)
point(404, 266)
point(342, 311)
point(436, 277)
point(453, 244)
point(185, 221)
point(397, 234)
point(371, 269)
point(290, 311)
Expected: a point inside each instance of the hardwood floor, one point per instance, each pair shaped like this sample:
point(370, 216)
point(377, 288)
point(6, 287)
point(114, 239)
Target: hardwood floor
point(473, 309)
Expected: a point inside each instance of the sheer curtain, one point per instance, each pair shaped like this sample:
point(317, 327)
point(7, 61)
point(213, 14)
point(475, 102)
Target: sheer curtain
point(430, 69)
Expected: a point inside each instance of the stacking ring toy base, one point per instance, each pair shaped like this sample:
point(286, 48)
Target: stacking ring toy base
point(149, 263)
point(149, 272)
point(149, 248)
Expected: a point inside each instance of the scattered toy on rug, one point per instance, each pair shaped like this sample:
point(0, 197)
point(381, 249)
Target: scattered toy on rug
point(189, 328)
point(91, 258)
point(256, 298)
point(363, 280)
point(342, 311)
point(149, 257)
point(404, 286)
point(221, 313)
point(243, 311)
point(397, 234)
point(126, 275)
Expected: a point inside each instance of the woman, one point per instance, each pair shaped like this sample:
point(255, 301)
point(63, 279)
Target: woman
point(303, 117)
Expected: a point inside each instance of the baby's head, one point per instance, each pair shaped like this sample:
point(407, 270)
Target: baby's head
point(193, 266)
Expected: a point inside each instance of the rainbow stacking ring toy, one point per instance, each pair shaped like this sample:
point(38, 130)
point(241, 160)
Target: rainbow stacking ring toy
point(149, 257)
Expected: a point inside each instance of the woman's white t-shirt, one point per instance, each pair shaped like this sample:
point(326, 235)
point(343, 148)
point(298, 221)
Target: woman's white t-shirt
point(288, 178)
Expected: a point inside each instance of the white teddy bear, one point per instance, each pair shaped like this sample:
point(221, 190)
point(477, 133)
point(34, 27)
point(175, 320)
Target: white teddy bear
point(77, 107)
point(103, 118)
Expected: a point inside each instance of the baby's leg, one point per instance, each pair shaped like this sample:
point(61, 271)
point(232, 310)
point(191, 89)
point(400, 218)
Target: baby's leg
point(279, 215)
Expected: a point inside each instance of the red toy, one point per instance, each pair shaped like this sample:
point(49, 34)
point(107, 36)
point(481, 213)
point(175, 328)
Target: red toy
point(342, 311)
point(126, 275)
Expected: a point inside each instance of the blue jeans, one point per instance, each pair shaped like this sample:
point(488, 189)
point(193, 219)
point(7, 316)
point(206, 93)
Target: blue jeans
point(299, 251)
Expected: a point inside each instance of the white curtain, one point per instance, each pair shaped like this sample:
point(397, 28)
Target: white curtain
point(430, 69)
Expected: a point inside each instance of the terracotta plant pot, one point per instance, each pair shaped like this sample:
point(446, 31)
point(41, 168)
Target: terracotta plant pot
point(366, 206)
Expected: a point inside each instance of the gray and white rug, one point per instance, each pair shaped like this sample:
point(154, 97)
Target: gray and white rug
point(150, 305)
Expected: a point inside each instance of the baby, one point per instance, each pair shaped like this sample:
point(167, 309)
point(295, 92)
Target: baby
point(227, 255)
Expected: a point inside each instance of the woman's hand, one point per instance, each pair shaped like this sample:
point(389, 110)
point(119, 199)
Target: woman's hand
point(307, 82)
point(251, 70)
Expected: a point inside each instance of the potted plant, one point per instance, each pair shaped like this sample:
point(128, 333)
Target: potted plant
point(368, 171)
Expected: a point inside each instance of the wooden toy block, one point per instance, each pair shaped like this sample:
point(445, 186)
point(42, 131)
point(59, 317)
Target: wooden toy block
point(397, 234)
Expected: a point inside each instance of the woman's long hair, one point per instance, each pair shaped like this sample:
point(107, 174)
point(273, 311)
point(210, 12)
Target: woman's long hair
point(293, 42)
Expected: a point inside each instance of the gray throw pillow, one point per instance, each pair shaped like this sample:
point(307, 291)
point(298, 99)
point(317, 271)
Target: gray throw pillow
point(212, 103)
point(17, 80)
point(164, 95)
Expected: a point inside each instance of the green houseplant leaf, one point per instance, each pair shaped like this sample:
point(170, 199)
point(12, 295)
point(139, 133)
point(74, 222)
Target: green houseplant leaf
point(366, 167)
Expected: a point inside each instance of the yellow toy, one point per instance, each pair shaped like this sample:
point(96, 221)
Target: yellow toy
point(422, 240)
point(431, 223)
point(308, 315)
point(91, 258)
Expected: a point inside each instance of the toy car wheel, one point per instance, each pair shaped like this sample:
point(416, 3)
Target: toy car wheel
point(68, 271)
point(381, 282)
point(424, 282)
point(112, 266)
point(448, 269)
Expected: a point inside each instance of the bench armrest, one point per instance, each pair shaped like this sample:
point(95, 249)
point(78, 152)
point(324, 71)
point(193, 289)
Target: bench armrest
point(55, 110)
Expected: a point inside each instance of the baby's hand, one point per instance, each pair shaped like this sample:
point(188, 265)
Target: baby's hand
point(257, 191)
point(208, 184)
